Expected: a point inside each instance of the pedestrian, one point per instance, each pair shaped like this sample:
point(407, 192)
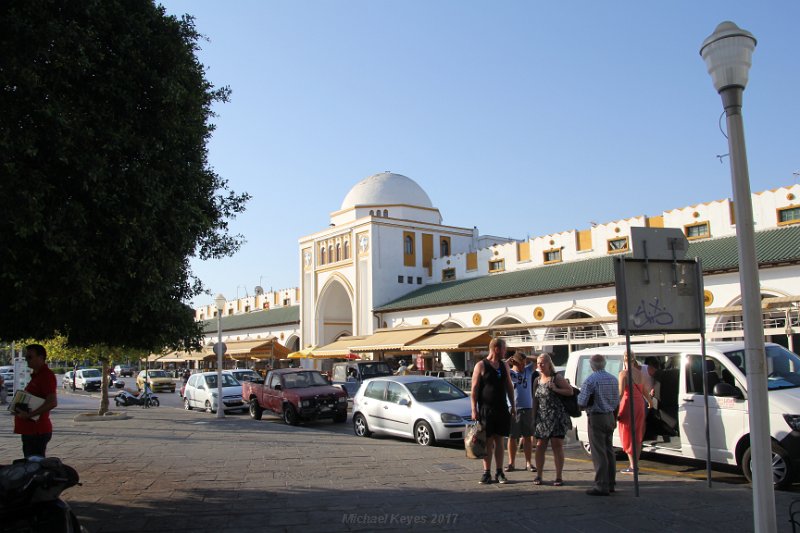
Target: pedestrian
point(550, 419)
point(600, 397)
point(34, 426)
point(491, 385)
point(522, 376)
point(186, 375)
point(627, 434)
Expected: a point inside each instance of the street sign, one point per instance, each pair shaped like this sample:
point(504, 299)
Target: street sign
point(664, 244)
point(218, 346)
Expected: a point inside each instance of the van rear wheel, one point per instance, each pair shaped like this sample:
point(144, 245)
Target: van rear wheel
point(781, 467)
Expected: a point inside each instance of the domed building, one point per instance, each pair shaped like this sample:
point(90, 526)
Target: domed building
point(380, 245)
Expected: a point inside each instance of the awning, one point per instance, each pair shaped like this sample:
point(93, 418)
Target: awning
point(302, 354)
point(392, 339)
point(338, 348)
point(176, 357)
point(268, 348)
point(451, 341)
point(778, 302)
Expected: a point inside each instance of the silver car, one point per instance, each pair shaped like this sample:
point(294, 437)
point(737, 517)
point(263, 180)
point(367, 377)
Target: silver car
point(424, 408)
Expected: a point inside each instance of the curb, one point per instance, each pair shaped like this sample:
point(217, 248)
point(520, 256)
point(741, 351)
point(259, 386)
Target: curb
point(94, 417)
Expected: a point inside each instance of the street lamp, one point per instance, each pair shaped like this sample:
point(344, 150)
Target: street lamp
point(728, 55)
point(219, 301)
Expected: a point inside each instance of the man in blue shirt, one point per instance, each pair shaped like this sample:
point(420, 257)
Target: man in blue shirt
point(522, 376)
point(600, 398)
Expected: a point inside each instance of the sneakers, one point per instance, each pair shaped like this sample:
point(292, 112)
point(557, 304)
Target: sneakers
point(486, 478)
point(500, 477)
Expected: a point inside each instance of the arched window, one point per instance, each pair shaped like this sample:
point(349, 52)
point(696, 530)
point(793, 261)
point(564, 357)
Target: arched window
point(385, 213)
point(371, 212)
point(322, 255)
point(409, 245)
point(338, 252)
point(444, 248)
point(330, 253)
point(347, 249)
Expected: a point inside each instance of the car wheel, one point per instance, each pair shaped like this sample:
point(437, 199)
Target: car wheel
point(255, 410)
point(423, 434)
point(186, 404)
point(781, 467)
point(290, 415)
point(208, 407)
point(360, 426)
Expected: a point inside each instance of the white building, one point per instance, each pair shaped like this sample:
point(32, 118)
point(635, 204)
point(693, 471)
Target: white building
point(387, 262)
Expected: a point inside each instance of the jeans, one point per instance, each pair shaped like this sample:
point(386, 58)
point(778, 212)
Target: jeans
point(601, 432)
point(35, 444)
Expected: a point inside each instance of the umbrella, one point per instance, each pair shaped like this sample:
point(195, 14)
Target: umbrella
point(302, 354)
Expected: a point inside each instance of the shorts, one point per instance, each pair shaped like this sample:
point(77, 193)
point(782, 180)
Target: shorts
point(496, 422)
point(522, 424)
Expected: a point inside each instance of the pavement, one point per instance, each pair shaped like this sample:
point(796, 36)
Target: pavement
point(165, 469)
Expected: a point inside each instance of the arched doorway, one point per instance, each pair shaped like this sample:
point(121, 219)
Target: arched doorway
point(293, 343)
point(565, 339)
point(778, 324)
point(455, 361)
point(334, 312)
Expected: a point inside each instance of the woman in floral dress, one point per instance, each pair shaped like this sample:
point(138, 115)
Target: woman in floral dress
point(551, 421)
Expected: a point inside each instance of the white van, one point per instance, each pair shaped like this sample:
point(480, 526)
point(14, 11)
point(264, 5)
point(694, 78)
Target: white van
point(677, 424)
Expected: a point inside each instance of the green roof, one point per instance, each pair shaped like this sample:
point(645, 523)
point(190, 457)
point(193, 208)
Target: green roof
point(773, 246)
point(257, 319)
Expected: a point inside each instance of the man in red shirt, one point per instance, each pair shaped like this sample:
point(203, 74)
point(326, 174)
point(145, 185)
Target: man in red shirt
point(35, 432)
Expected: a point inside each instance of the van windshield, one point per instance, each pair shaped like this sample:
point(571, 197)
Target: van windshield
point(783, 367)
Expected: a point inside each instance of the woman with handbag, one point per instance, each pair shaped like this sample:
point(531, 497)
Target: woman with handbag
point(551, 421)
point(626, 433)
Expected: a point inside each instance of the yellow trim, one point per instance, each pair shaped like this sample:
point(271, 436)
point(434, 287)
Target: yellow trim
point(611, 306)
point(410, 260)
point(654, 222)
point(427, 251)
point(695, 225)
point(472, 261)
point(524, 251)
point(583, 240)
point(708, 298)
point(538, 313)
point(453, 270)
point(788, 222)
point(501, 269)
point(618, 250)
point(732, 212)
point(443, 239)
point(560, 256)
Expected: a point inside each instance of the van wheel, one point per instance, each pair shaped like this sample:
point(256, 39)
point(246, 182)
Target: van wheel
point(781, 467)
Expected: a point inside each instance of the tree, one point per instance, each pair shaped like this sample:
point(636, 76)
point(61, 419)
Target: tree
point(107, 191)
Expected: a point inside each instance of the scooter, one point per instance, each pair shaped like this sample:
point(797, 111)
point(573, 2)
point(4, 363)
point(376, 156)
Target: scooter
point(145, 399)
point(29, 496)
point(114, 382)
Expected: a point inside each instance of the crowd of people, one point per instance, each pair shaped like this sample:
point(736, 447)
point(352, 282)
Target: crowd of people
point(516, 400)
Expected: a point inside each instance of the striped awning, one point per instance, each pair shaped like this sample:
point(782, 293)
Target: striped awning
point(265, 348)
point(391, 339)
point(337, 348)
point(451, 340)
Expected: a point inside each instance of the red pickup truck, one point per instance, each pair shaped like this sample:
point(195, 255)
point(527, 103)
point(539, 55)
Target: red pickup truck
point(296, 394)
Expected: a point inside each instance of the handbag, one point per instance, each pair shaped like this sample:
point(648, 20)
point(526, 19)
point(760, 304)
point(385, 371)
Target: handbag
point(475, 441)
point(571, 403)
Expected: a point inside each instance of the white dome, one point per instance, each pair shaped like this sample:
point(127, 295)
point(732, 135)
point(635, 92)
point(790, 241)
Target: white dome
point(386, 189)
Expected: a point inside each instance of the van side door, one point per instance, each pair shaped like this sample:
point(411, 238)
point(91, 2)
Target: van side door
point(726, 416)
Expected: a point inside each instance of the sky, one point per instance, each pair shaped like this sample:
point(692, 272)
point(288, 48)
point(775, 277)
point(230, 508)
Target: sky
point(523, 118)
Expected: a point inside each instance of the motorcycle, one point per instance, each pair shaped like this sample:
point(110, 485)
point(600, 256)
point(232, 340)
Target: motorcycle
point(29, 496)
point(114, 381)
point(145, 399)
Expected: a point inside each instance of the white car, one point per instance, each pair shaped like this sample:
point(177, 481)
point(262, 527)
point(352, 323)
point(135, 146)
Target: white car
point(66, 380)
point(8, 379)
point(88, 379)
point(201, 392)
point(427, 409)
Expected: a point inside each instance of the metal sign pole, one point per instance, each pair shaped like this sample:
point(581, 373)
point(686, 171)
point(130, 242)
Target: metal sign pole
point(623, 307)
point(701, 310)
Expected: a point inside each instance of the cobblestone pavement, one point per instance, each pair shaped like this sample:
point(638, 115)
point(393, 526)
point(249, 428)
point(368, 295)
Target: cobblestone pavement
point(166, 469)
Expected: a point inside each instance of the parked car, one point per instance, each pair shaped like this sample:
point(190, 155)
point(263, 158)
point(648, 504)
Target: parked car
point(426, 409)
point(677, 426)
point(296, 394)
point(201, 392)
point(8, 379)
point(66, 380)
point(158, 379)
point(242, 374)
point(88, 379)
point(124, 371)
point(351, 374)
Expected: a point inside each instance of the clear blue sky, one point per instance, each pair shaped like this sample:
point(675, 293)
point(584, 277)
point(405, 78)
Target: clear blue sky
point(519, 117)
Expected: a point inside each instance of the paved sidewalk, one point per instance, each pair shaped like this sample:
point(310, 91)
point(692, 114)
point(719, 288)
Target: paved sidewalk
point(170, 470)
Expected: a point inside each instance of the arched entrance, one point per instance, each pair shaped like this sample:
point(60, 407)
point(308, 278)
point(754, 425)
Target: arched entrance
point(779, 324)
point(293, 343)
point(565, 339)
point(334, 312)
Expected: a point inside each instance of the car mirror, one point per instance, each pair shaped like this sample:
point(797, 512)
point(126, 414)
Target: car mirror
point(405, 402)
point(726, 390)
point(278, 387)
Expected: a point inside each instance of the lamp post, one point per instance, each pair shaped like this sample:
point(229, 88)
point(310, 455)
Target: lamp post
point(728, 55)
point(219, 301)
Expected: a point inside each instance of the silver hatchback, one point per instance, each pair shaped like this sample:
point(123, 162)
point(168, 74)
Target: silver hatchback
point(424, 408)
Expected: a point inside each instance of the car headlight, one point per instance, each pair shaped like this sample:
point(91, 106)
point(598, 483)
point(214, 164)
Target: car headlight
point(793, 421)
point(448, 418)
point(305, 403)
point(342, 399)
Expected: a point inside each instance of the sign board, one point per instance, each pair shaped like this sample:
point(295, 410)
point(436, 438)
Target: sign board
point(218, 346)
point(658, 243)
point(659, 296)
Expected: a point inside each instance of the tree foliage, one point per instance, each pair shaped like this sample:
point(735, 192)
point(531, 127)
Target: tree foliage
point(104, 179)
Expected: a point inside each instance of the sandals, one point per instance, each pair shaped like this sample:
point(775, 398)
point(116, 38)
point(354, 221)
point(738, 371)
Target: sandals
point(530, 468)
point(558, 482)
point(537, 481)
point(509, 468)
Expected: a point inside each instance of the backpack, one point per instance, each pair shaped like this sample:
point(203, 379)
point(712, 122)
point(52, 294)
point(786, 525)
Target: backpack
point(571, 403)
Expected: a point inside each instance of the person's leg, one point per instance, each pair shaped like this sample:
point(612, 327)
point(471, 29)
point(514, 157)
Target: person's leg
point(599, 457)
point(512, 451)
point(611, 458)
point(541, 448)
point(35, 444)
point(526, 447)
point(558, 455)
point(498, 451)
point(487, 461)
